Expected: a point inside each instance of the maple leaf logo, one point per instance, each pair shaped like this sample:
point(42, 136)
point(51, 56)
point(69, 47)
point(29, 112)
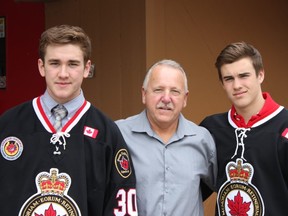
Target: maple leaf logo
point(238, 207)
point(49, 212)
point(124, 163)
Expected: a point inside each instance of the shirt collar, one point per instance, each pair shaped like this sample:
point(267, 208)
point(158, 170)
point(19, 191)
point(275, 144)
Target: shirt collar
point(269, 107)
point(71, 106)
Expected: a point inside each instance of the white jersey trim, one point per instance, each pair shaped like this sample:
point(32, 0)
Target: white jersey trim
point(47, 124)
point(258, 123)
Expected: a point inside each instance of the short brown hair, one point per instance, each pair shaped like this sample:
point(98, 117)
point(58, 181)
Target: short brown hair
point(65, 34)
point(236, 51)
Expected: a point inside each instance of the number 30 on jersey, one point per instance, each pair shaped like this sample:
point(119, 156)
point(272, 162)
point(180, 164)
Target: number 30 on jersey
point(126, 203)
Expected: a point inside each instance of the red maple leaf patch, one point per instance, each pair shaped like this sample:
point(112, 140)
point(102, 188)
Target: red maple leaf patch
point(238, 207)
point(49, 212)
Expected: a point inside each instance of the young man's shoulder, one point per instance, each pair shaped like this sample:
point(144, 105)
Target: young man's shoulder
point(20, 109)
point(215, 117)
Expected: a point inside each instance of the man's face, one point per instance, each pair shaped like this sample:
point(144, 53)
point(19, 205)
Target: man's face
point(64, 71)
point(241, 84)
point(165, 96)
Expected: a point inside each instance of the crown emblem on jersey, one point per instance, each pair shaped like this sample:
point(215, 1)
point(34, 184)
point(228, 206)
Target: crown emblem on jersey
point(53, 183)
point(239, 172)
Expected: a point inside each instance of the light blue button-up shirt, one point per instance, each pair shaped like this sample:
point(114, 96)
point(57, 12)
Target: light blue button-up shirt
point(168, 175)
point(72, 106)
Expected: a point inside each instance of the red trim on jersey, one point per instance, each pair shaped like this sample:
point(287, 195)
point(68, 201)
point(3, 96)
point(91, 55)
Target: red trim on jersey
point(39, 105)
point(49, 124)
point(74, 116)
point(285, 133)
point(269, 107)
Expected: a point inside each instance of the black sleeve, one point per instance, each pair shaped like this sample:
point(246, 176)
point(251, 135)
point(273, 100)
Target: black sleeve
point(205, 190)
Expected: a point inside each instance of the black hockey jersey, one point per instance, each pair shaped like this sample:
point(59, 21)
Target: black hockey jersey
point(252, 165)
point(83, 170)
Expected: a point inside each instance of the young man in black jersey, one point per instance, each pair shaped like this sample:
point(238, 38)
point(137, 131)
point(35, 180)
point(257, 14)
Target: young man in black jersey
point(251, 139)
point(72, 164)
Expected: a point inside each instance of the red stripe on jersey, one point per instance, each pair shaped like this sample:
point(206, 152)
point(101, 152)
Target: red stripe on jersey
point(41, 110)
point(74, 116)
point(285, 133)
